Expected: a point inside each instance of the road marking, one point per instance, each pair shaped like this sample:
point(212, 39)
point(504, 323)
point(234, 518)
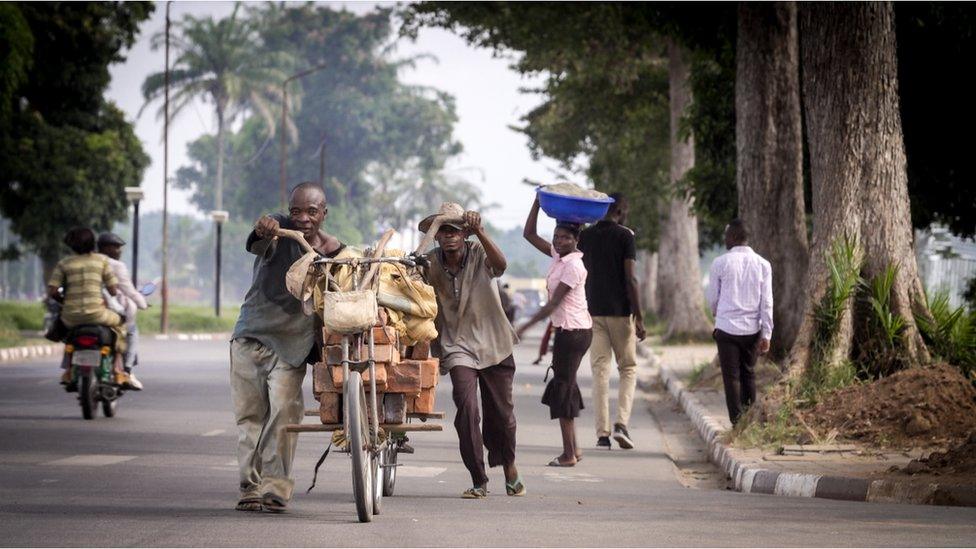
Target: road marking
point(419, 472)
point(91, 460)
point(553, 476)
point(231, 463)
point(213, 433)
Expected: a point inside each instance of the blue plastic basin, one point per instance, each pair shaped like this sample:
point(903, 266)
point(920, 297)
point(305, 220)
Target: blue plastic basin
point(574, 209)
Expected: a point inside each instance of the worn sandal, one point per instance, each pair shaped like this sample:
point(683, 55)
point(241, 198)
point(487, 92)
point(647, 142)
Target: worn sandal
point(273, 504)
point(556, 463)
point(516, 488)
point(475, 492)
point(251, 503)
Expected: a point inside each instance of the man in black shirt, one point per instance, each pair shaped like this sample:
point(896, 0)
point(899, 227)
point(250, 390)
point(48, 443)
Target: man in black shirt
point(613, 299)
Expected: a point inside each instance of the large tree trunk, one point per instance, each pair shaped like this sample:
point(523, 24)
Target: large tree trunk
point(769, 155)
point(648, 281)
point(679, 277)
point(857, 163)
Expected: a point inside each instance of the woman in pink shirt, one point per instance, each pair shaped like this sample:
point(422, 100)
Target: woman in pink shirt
point(567, 310)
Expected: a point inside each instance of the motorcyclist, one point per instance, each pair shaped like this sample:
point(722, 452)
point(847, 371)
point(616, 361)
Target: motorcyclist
point(82, 277)
point(129, 298)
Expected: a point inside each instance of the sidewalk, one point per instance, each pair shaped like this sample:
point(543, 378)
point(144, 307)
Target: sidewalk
point(843, 471)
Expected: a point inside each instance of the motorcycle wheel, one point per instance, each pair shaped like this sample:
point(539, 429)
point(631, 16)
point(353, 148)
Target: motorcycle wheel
point(108, 407)
point(86, 395)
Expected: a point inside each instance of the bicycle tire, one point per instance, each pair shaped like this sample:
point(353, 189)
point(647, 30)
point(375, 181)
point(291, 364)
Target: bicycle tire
point(362, 474)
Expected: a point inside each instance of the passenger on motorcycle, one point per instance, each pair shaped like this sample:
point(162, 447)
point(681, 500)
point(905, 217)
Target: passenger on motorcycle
point(82, 277)
point(129, 298)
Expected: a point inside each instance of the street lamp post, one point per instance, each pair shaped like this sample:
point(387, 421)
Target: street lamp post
point(135, 195)
point(219, 217)
point(283, 171)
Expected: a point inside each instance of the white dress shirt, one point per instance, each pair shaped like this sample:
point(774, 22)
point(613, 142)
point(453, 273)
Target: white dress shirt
point(740, 293)
point(129, 298)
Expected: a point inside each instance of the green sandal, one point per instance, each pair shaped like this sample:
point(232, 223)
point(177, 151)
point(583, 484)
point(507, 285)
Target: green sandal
point(516, 488)
point(475, 492)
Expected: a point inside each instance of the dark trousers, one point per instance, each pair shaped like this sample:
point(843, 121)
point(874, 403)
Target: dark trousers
point(496, 431)
point(737, 354)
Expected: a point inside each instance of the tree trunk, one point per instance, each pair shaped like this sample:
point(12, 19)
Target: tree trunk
point(648, 281)
point(857, 163)
point(219, 188)
point(682, 299)
point(769, 155)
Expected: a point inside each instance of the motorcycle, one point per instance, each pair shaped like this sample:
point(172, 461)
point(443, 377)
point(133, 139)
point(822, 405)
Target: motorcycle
point(89, 356)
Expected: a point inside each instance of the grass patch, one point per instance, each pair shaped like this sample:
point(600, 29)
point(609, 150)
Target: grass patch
point(697, 372)
point(189, 319)
point(22, 315)
point(775, 432)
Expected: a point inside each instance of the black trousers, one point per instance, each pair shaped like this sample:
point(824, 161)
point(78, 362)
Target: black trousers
point(496, 430)
point(737, 354)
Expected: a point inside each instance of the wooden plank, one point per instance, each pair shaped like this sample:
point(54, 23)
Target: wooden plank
point(418, 415)
point(395, 428)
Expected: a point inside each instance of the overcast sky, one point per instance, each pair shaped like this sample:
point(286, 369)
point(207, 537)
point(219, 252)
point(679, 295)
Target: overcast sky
point(488, 101)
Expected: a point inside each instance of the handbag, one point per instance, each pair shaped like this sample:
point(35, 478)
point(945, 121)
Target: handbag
point(349, 312)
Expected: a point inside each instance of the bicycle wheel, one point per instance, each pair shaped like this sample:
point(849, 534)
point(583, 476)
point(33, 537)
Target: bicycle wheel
point(389, 473)
point(356, 433)
point(376, 458)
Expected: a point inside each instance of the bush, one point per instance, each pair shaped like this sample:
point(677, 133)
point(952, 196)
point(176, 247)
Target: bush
point(950, 333)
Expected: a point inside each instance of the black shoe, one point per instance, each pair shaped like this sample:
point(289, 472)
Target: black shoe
point(622, 437)
point(603, 442)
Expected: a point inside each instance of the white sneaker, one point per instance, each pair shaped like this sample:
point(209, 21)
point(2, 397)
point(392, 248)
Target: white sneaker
point(134, 383)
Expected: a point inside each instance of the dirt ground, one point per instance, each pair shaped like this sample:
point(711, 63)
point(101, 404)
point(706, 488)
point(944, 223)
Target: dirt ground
point(926, 407)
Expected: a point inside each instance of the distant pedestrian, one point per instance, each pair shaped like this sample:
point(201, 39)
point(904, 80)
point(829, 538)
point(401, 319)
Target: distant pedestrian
point(571, 321)
point(740, 294)
point(613, 298)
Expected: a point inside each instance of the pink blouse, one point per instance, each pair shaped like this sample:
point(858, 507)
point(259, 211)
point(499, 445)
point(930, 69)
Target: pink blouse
point(572, 313)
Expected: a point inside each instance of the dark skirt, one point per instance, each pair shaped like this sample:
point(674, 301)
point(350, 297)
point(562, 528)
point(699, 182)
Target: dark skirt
point(562, 394)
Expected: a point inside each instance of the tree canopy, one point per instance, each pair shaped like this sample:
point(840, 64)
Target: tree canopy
point(355, 109)
point(65, 152)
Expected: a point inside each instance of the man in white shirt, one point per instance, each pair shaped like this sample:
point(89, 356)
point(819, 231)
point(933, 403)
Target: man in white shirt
point(740, 295)
point(128, 297)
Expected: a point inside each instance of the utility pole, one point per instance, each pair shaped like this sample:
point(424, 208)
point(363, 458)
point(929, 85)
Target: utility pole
point(135, 195)
point(219, 217)
point(164, 312)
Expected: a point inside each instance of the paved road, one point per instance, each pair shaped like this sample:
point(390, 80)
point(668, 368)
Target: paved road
point(163, 473)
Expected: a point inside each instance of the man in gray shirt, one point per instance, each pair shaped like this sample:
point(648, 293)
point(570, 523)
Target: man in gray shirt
point(474, 344)
point(272, 343)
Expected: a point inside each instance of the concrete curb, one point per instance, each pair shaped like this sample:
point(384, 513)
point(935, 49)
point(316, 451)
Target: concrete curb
point(30, 351)
point(751, 479)
point(13, 354)
point(192, 337)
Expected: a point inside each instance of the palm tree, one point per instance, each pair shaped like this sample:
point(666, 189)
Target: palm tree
point(224, 63)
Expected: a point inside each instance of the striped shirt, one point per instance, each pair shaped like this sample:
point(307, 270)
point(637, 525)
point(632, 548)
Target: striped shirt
point(82, 277)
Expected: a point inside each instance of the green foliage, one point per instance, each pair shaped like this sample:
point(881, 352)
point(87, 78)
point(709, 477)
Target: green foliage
point(778, 430)
point(374, 134)
point(189, 319)
point(844, 266)
point(65, 152)
point(606, 102)
point(21, 315)
point(697, 372)
point(950, 333)
point(889, 326)
point(16, 48)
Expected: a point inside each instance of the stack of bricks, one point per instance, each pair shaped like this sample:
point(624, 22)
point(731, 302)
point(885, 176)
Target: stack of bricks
point(403, 385)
